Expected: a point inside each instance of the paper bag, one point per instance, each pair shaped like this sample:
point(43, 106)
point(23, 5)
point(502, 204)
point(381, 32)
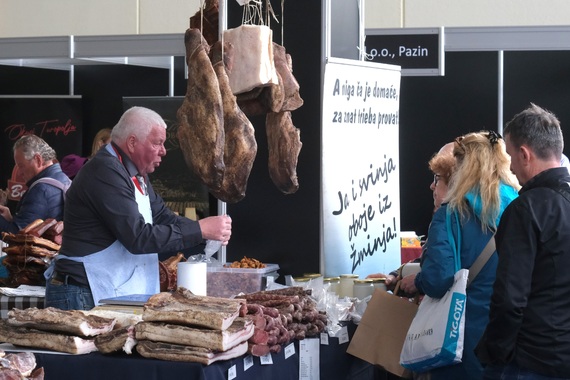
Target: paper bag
point(379, 337)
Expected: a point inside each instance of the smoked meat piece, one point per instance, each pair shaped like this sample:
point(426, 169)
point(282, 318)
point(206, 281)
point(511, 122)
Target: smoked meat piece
point(122, 339)
point(240, 146)
point(201, 130)
point(283, 64)
point(240, 331)
point(181, 353)
point(284, 144)
point(26, 239)
point(72, 322)
point(210, 15)
point(184, 308)
point(22, 336)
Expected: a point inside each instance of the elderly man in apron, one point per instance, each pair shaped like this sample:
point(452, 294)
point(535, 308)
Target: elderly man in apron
point(115, 224)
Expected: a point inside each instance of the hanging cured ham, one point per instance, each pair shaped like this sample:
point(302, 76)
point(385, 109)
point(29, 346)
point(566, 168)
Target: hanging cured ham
point(201, 130)
point(284, 143)
point(240, 146)
point(206, 19)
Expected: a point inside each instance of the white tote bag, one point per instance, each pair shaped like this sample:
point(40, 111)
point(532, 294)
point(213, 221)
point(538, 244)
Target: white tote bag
point(435, 337)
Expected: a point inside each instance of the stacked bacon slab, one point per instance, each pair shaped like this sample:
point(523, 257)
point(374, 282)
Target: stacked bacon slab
point(181, 326)
point(31, 251)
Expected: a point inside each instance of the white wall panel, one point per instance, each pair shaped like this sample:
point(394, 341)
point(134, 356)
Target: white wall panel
point(168, 16)
point(430, 13)
point(383, 13)
point(34, 18)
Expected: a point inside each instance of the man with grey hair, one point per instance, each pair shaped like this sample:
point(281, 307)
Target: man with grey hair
point(46, 182)
point(528, 335)
point(115, 224)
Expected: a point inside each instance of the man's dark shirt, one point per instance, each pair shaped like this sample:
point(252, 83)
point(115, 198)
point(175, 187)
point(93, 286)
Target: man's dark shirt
point(101, 208)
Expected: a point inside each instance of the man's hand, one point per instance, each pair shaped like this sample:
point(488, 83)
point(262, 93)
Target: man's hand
point(216, 228)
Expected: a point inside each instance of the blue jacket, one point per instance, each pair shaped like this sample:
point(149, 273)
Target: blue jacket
point(436, 277)
point(42, 201)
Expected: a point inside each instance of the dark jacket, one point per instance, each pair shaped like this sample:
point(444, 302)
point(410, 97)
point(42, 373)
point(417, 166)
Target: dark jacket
point(42, 201)
point(529, 320)
point(102, 208)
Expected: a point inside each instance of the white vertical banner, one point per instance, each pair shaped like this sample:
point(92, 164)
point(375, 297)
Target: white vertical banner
point(360, 168)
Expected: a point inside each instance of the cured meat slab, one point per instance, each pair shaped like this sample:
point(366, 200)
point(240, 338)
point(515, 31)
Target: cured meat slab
point(122, 339)
point(254, 65)
point(184, 308)
point(240, 331)
point(177, 352)
point(27, 239)
point(26, 337)
point(210, 15)
point(201, 130)
point(284, 144)
point(283, 65)
point(72, 322)
point(240, 146)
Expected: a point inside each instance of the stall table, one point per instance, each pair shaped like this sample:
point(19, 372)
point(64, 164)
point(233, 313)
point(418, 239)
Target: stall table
point(335, 363)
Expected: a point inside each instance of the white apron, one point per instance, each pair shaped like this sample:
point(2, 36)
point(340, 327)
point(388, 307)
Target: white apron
point(115, 271)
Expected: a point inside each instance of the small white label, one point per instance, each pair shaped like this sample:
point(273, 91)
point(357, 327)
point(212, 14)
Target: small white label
point(232, 372)
point(309, 361)
point(247, 362)
point(325, 338)
point(343, 335)
point(289, 350)
point(266, 359)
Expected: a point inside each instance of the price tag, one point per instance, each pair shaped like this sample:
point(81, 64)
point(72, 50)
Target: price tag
point(266, 359)
point(247, 362)
point(232, 372)
point(289, 350)
point(343, 335)
point(309, 359)
point(325, 338)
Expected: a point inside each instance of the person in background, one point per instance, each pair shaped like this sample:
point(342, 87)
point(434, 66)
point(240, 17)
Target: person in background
point(71, 163)
point(103, 137)
point(441, 165)
point(115, 224)
point(481, 187)
point(46, 184)
point(528, 335)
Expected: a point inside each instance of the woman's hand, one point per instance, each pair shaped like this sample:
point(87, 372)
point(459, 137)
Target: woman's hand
point(407, 284)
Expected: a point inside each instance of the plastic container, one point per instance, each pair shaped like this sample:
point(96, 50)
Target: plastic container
point(334, 284)
point(228, 282)
point(346, 284)
point(379, 283)
point(363, 288)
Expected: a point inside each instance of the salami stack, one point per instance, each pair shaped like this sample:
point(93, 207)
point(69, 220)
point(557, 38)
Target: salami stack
point(280, 316)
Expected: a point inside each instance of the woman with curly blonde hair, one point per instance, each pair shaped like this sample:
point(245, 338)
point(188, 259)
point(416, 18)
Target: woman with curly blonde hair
point(480, 188)
point(482, 169)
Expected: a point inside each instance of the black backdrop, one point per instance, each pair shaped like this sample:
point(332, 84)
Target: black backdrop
point(285, 229)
